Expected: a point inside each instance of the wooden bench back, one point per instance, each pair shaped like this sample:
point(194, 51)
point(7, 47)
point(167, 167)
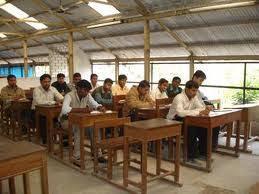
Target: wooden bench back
point(160, 103)
point(117, 105)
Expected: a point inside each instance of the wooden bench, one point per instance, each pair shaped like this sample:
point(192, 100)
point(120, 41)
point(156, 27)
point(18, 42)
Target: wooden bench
point(111, 145)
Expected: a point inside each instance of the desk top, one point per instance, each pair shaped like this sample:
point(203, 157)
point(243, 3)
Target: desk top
point(93, 114)
point(217, 113)
point(154, 108)
point(48, 106)
point(10, 150)
point(242, 106)
point(153, 123)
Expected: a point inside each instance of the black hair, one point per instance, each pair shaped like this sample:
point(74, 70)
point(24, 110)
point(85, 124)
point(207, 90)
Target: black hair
point(199, 74)
point(122, 77)
point(108, 80)
point(162, 80)
point(176, 78)
point(191, 84)
point(60, 75)
point(10, 77)
point(93, 75)
point(76, 75)
point(44, 76)
point(143, 84)
point(84, 84)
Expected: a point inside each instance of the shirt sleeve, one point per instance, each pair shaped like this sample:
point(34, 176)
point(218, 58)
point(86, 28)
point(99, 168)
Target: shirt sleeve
point(57, 95)
point(66, 108)
point(4, 94)
point(181, 112)
point(92, 103)
point(101, 100)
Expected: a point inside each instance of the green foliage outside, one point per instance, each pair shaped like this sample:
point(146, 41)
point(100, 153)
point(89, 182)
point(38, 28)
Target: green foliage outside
point(251, 95)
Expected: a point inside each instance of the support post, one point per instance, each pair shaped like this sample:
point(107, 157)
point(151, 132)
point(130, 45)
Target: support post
point(70, 56)
point(147, 50)
point(25, 57)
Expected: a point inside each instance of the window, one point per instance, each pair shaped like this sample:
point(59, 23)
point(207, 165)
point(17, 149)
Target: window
point(134, 72)
point(222, 74)
point(41, 69)
point(170, 70)
point(104, 71)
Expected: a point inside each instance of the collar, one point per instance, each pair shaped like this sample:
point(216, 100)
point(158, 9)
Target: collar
point(103, 92)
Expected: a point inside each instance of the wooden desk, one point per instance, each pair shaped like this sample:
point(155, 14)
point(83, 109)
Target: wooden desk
point(151, 130)
point(151, 113)
point(248, 112)
point(17, 108)
point(50, 112)
point(20, 158)
point(84, 120)
point(215, 119)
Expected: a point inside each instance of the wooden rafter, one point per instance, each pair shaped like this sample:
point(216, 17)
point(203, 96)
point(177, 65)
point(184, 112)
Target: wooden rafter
point(171, 33)
point(3, 59)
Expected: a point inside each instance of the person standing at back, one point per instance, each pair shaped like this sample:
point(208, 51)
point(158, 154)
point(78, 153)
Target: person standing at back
point(94, 80)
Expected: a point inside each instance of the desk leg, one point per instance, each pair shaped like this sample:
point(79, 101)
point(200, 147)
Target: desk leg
point(158, 156)
point(125, 162)
point(229, 134)
point(82, 151)
point(177, 160)
point(26, 183)
point(185, 145)
point(49, 134)
point(237, 138)
point(37, 120)
point(209, 148)
point(1, 190)
point(70, 141)
point(246, 135)
point(144, 168)
point(12, 185)
point(44, 177)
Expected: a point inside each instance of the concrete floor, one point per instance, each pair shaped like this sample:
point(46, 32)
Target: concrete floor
point(229, 176)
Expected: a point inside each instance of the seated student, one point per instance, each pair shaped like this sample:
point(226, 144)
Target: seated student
point(137, 97)
point(11, 91)
point(76, 78)
point(61, 85)
point(45, 94)
point(160, 91)
point(120, 88)
point(174, 88)
point(94, 80)
point(188, 104)
point(199, 76)
point(78, 101)
point(103, 94)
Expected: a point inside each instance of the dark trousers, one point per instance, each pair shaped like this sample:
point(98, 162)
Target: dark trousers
point(197, 140)
point(42, 126)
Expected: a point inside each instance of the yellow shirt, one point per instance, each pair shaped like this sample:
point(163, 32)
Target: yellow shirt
point(117, 90)
point(8, 92)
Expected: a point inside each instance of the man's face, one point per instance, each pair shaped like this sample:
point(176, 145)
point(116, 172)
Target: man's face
point(12, 82)
point(76, 79)
point(94, 80)
point(107, 87)
point(61, 80)
point(82, 92)
point(191, 93)
point(198, 80)
point(143, 91)
point(176, 83)
point(45, 83)
point(122, 82)
point(163, 86)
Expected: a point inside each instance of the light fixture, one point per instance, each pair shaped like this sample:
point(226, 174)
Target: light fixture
point(18, 13)
point(103, 24)
point(103, 9)
point(223, 6)
point(2, 35)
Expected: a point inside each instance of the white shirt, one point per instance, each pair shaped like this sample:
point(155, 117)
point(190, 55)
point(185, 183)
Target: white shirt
point(157, 94)
point(94, 87)
point(72, 101)
point(182, 106)
point(41, 96)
